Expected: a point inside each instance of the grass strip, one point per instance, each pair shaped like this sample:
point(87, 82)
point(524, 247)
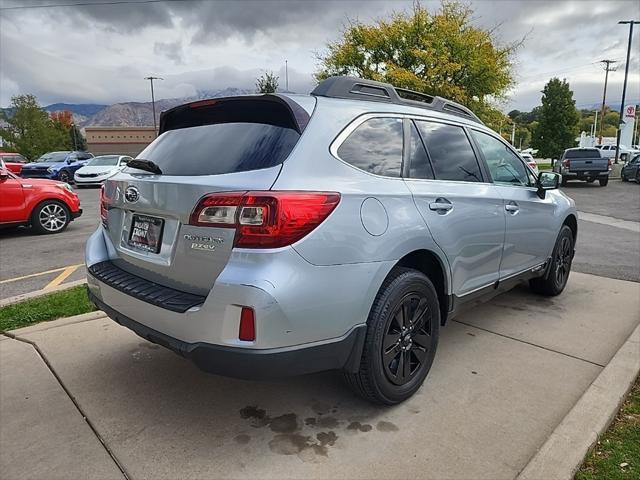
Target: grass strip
point(49, 307)
point(616, 455)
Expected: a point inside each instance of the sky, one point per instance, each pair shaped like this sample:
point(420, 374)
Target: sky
point(100, 53)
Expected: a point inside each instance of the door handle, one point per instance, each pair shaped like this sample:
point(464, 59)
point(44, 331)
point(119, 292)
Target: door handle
point(441, 205)
point(512, 207)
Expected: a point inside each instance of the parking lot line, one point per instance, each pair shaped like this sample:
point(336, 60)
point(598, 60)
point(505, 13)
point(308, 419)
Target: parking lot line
point(61, 277)
point(9, 280)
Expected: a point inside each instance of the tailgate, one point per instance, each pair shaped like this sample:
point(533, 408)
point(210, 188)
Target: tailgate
point(152, 236)
point(589, 165)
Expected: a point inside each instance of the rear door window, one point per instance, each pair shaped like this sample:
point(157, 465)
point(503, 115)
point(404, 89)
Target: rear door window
point(450, 151)
point(221, 148)
point(375, 146)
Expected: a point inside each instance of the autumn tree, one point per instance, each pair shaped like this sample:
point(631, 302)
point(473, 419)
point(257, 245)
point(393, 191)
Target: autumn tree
point(267, 83)
point(29, 130)
point(63, 121)
point(558, 121)
point(439, 53)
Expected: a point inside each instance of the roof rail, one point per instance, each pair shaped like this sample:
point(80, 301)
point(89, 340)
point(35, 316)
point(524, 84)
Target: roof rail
point(354, 88)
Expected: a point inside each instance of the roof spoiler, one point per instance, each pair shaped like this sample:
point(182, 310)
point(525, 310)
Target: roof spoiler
point(271, 109)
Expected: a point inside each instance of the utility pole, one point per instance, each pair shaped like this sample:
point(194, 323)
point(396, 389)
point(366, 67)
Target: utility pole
point(595, 127)
point(75, 142)
point(153, 102)
point(607, 68)
point(286, 75)
point(513, 135)
point(631, 23)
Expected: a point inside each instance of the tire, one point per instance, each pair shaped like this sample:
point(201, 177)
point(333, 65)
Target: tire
point(555, 280)
point(563, 182)
point(64, 176)
point(623, 177)
point(381, 377)
point(50, 216)
point(603, 181)
point(638, 176)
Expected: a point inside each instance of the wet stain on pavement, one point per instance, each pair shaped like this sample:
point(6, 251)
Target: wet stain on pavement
point(360, 427)
point(385, 426)
point(289, 443)
point(242, 439)
point(287, 423)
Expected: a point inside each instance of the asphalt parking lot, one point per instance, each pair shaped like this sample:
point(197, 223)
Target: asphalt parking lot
point(31, 262)
point(504, 377)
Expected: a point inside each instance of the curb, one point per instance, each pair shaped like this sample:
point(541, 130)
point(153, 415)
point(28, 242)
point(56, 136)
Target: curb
point(60, 322)
point(40, 293)
point(563, 452)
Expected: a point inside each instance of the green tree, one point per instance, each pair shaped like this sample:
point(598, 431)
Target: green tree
point(558, 122)
point(267, 83)
point(438, 53)
point(29, 130)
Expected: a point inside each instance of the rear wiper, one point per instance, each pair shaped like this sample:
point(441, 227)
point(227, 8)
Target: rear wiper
point(146, 165)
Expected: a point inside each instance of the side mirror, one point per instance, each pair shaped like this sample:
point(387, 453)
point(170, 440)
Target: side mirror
point(547, 181)
point(4, 174)
point(70, 161)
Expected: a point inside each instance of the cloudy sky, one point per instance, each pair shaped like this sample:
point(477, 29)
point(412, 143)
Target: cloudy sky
point(99, 52)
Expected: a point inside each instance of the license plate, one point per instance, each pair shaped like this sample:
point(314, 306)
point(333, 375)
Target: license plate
point(146, 233)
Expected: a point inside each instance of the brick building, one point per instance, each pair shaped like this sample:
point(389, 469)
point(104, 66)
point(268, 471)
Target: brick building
point(118, 140)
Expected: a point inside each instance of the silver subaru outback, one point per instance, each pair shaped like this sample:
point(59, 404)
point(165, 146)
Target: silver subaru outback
point(272, 235)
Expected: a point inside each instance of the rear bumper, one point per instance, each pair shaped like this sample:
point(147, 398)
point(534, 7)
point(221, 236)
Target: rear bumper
point(584, 175)
point(343, 353)
point(76, 214)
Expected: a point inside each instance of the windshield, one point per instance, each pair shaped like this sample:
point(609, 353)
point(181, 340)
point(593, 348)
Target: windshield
point(105, 160)
point(53, 157)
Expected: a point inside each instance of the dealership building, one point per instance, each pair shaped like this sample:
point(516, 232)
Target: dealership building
point(118, 140)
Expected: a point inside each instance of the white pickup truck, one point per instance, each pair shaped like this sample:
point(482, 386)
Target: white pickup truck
point(609, 151)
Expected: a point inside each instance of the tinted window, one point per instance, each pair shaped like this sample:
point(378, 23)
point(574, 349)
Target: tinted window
point(582, 153)
point(504, 165)
point(419, 165)
point(375, 147)
point(103, 160)
point(53, 157)
point(220, 148)
point(450, 152)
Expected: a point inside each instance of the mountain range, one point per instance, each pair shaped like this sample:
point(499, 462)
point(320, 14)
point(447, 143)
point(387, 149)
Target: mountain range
point(133, 114)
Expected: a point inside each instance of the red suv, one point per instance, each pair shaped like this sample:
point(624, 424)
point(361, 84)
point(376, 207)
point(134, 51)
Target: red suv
point(47, 205)
point(13, 161)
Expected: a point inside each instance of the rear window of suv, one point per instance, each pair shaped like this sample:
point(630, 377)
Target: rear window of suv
point(583, 153)
point(221, 148)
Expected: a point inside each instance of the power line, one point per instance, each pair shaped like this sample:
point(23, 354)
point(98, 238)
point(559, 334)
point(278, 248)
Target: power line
point(86, 4)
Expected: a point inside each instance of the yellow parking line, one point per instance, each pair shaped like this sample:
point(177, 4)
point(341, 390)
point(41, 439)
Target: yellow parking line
point(62, 277)
point(9, 280)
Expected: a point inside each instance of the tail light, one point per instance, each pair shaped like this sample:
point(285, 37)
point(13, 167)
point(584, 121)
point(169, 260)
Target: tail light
point(103, 207)
point(247, 330)
point(566, 163)
point(269, 219)
point(610, 164)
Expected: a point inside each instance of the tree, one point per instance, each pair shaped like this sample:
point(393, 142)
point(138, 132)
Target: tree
point(439, 53)
point(76, 138)
point(558, 122)
point(267, 83)
point(30, 131)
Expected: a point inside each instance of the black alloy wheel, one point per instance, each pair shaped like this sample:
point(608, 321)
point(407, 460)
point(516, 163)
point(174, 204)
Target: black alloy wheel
point(562, 261)
point(63, 176)
point(407, 339)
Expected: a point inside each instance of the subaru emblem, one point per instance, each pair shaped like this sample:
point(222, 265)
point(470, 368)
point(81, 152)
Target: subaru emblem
point(131, 194)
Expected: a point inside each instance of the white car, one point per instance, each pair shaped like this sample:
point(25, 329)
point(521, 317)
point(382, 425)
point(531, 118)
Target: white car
point(98, 169)
point(527, 157)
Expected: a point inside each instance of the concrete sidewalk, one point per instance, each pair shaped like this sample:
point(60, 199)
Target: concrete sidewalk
point(504, 378)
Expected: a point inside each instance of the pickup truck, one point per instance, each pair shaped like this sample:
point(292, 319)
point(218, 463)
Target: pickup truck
point(585, 164)
point(609, 151)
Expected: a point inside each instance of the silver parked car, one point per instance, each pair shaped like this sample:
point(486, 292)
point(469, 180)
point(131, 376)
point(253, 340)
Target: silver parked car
point(272, 235)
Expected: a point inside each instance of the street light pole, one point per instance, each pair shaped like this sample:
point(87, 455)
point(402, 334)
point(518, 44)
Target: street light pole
point(631, 23)
point(153, 102)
